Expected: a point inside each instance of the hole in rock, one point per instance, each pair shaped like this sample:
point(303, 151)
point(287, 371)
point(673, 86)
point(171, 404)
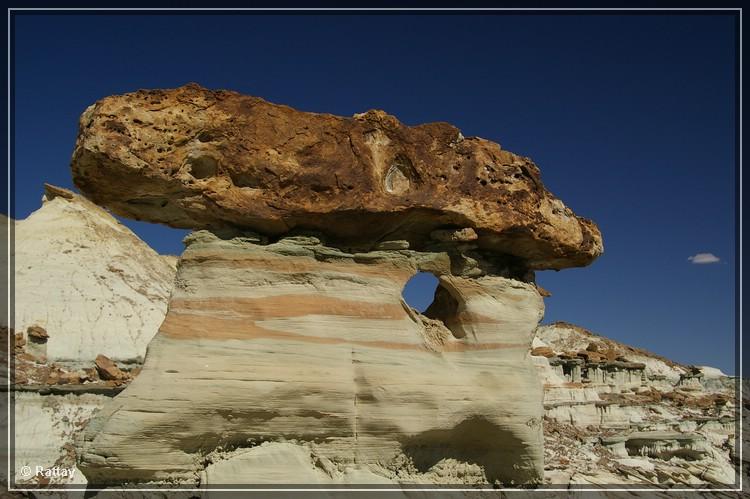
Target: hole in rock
point(207, 136)
point(444, 307)
point(424, 293)
point(419, 291)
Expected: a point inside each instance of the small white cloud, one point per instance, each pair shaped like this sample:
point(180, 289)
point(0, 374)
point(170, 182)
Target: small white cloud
point(703, 258)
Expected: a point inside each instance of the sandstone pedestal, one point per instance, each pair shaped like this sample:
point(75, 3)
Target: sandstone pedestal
point(303, 343)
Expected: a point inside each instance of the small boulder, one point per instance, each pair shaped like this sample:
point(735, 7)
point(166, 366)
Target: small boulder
point(107, 369)
point(25, 356)
point(37, 334)
point(52, 378)
point(543, 292)
point(68, 378)
point(543, 352)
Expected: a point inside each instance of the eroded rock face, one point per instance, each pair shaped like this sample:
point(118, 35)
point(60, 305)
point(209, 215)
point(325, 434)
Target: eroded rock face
point(85, 284)
point(615, 414)
point(45, 429)
point(300, 342)
point(196, 158)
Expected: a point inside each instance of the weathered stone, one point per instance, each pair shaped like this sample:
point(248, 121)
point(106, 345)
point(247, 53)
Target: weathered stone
point(454, 235)
point(37, 333)
point(392, 245)
point(46, 427)
point(196, 158)
point(543, 352)
point(633, 416)
point(107, 369)
point(306, 343)
point(87, 280)
point(21, 377)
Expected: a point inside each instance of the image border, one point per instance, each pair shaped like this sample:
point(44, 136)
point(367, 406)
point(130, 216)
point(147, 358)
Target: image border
point(11, 482)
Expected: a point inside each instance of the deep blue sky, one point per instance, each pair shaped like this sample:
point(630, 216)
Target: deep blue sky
point(630, 118)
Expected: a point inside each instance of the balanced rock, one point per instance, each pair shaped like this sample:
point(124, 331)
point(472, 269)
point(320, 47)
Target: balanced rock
point(287, 324)
point(195, 158)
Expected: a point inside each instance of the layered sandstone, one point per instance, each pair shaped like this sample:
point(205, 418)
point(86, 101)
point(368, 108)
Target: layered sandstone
point(196, 158)
point(300, 342)
point(287, 346)
point(297, 362)
point(85, 284)
point(615, 414)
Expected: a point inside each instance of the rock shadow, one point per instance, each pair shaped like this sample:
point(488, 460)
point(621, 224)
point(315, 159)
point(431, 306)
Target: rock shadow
point(503, 455)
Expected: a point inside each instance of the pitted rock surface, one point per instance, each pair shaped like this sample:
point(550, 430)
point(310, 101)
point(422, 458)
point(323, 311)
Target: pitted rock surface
point(202, 159)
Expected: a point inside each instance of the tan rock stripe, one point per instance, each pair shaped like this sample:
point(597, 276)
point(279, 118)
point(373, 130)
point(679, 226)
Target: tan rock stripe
point(303, 304)
point(189, 326)
point(474, 319)
point(290, 306)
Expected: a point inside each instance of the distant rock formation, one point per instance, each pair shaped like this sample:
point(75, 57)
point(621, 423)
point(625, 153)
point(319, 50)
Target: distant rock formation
point(86, 282)
point(201, 159)
point(615, 414)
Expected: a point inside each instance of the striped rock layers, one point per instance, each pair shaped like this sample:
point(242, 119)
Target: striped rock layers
point(303, 343)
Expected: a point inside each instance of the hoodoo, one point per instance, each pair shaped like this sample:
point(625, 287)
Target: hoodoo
point(287, 353)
